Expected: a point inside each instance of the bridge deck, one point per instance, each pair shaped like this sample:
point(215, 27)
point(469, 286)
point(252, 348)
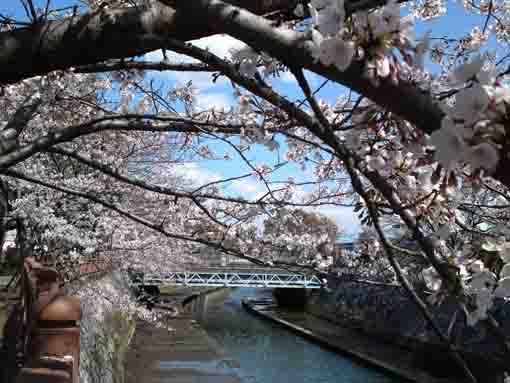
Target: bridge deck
point(235, 278)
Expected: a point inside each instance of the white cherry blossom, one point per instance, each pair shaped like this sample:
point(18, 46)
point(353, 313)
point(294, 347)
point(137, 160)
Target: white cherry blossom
point(449, 181)
point(482, 280)
point(247, 58)
point(376, 162)
point(470, 103)
point(382, 66)
point(505, 252)
point(432, 279)
point(483, 156)
point(449, 143)
point(328, 16)
point(244, 104)
point(299, 10)
point(487, 75)
point(335, 51)
point(467, 71)
point(477, 266)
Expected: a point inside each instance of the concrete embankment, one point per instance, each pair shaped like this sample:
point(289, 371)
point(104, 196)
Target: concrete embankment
point(392, 359)
point(386, 312)
point(181, 353)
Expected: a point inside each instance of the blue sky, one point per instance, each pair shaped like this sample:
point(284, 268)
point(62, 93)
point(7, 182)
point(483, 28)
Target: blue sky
point(221, 94)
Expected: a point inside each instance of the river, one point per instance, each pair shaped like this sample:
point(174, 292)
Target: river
point(268, 353)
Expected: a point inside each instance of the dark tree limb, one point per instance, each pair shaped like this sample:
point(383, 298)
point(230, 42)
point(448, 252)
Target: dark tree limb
point(405, 98)
point(144, 65)
point(103, 35)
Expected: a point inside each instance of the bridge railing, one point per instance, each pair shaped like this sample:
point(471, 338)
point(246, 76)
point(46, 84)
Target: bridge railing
point(234, 279)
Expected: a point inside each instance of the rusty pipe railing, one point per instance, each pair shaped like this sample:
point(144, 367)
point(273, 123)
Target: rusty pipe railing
point(49, 328)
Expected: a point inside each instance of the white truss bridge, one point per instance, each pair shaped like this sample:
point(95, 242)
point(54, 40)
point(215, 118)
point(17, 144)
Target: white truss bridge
point(247, 278)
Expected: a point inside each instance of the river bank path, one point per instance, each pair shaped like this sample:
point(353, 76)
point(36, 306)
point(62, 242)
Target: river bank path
point(184, 355)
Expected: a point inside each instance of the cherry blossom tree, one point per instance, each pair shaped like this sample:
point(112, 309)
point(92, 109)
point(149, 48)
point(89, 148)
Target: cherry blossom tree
point(297, 235)
point(92, 151)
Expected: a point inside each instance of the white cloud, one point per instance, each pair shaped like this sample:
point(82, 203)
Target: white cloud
point(344, 217)
point(200, 80)
point(220, 45)
point(287, 77)
point(194, 175)
point(214, 100)
point(245, 186)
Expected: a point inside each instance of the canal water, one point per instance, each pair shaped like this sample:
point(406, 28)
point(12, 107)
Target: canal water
point(268, 353)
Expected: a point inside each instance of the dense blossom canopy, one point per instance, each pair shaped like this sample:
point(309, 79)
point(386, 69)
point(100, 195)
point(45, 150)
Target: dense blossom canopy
point(387, 112)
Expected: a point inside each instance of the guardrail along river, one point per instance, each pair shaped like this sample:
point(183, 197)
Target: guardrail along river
point(268, 353)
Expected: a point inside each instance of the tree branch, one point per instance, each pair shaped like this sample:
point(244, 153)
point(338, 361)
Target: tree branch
point(144, 65)
point(404, 99)
point(410, 290)
point(136, 182)
point(327, 135)
point(102, 35)
point(127, 214)
point(127, 123)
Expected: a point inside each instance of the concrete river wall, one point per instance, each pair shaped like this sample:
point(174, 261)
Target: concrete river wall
point(387, 313)
point(214, 340)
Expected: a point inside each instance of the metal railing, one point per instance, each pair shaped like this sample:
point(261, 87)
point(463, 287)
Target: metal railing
point(255, 278)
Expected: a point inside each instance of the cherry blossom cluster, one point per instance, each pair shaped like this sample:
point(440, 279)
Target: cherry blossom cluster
point(475, 123)
point(337, 39)
point(431, 176)
point(481, 283)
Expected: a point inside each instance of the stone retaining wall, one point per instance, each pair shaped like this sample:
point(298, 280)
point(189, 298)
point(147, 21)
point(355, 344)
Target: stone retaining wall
point(98, 328)
point(387, 312)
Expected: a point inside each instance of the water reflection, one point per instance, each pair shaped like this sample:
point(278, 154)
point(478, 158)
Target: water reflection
point(268, 353)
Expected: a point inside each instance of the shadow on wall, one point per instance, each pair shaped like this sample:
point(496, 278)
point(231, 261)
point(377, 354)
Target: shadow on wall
point(291, 298)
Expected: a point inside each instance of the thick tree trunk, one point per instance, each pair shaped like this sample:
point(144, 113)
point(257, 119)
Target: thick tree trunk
point(102, 35)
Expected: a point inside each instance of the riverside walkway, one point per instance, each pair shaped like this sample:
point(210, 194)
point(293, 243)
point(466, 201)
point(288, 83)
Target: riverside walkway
point(184, 354)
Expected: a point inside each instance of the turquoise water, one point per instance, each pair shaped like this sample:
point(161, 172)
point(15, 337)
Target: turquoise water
point(268, 353)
